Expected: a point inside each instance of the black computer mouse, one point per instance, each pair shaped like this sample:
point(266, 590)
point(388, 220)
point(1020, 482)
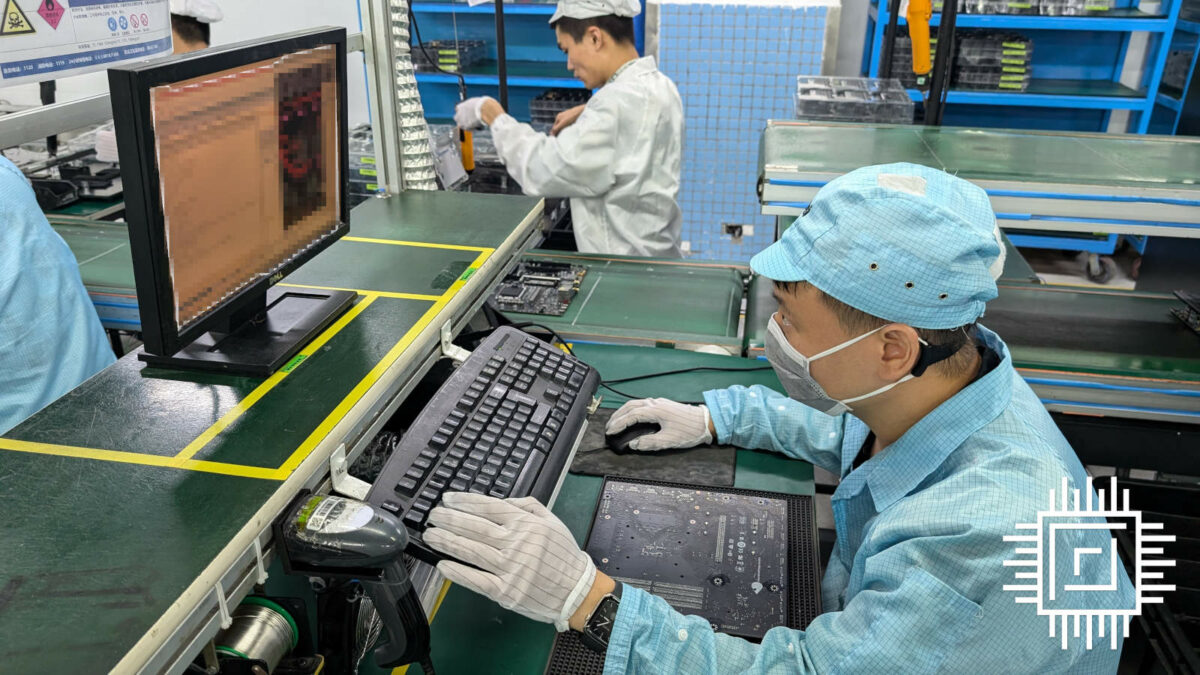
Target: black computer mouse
point(619, 442)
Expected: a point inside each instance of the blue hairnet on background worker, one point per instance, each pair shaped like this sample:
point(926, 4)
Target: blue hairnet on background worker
point(618, 157)
point(50, 336)
point(941, 447)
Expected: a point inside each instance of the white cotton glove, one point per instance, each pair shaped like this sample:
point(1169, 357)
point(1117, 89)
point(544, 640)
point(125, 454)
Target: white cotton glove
point(528, 560)
point(683, 426)
point(469, 114)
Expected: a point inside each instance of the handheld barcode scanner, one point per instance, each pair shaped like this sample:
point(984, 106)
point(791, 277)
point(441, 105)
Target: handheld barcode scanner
point(334, 537)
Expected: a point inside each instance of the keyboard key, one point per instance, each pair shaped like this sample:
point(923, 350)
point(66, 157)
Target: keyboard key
point(456, 418)
point(552, 393)
point(538, 418)
point(529, 473)
point(489, 470)
point(443, 472)
point(471, 465)
point(489, 372)
point(430, 453)
point(468, 437)
point(487, 410)
point(488, 439)
point(459, 485)
point(530, 434)
point(510, 434)
point(439, 440)
point(563, 404)
point(522, 399)
point(497, 492)
point(478, 454)
point(422, 463)
point(552, 425)
point(509, 471)
point(391, 506)
point(521, 452)
point(460, 449)
point(558, 415)
point(508, 380)
point(495, 461)
point(560, 377)
point(422, 505)
point(414, 519)
point(430, 495)
point(576, 380)
point(414, 473)
point(504, 484)
point(543, 444)
point(437, 484)
point(407, 486)
point(497, 393)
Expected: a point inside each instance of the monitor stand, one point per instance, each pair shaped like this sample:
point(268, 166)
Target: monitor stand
point(261, 338)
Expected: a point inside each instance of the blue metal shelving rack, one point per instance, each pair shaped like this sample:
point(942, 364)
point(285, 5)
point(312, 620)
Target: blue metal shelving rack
point(534, 60)
point(1170, 103)
point(1092, 85)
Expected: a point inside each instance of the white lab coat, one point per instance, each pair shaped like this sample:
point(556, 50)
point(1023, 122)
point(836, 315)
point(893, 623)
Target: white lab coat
point(619, 164)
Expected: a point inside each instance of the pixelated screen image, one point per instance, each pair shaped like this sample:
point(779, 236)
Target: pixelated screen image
point(249, 172)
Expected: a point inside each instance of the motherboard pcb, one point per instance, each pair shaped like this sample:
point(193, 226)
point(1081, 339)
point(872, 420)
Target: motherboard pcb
point(538, 287)
point(717, 553)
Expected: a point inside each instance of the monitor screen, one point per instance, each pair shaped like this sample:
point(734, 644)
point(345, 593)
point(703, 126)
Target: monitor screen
point(249, 173)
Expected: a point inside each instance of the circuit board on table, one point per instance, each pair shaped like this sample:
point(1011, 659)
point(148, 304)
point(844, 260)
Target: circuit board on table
point(536, 287)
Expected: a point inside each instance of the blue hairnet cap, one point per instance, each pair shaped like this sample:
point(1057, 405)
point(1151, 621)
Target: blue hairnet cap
point(902, 242)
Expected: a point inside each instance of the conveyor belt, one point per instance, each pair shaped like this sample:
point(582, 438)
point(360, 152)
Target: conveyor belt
point(1040, 180)
point(625, 300)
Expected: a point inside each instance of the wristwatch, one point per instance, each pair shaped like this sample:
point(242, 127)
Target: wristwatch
point(599, 625)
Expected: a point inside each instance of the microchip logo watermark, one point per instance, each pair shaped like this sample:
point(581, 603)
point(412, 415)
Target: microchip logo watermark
point(1067, 580)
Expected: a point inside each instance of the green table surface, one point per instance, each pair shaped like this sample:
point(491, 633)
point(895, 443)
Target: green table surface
point(648, 301)
point(121, 494)
point(471, 634)
point(987, 155)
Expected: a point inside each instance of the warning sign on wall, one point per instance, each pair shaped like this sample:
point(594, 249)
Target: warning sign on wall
point(15, 22)
point(48, 39)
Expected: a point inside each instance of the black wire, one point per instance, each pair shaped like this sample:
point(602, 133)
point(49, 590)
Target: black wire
point(462, 81)
point(551, 331)
point(665, 373)
point(427, 665)
point(618, 392)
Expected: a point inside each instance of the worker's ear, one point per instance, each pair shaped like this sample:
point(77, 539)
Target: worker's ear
point(594, 37)
point(901, 349)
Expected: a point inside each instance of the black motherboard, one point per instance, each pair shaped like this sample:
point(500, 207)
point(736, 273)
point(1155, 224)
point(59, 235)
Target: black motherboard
point(714, 553)
point(537, 287)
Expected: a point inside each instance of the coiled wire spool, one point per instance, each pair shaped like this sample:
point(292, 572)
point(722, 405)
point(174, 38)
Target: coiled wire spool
point(261, 630)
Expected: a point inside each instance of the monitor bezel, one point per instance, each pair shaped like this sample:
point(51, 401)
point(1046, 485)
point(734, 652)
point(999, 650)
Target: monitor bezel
point(129, 89)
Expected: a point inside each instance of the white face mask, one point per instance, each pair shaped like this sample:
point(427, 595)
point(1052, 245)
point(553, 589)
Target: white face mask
point(792, 367)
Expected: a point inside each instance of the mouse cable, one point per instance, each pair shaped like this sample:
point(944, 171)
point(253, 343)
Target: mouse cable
point(665, 373)
point(551, 331)
point(632, 397)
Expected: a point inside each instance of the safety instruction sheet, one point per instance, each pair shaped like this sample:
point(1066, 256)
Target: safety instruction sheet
point(48, 39)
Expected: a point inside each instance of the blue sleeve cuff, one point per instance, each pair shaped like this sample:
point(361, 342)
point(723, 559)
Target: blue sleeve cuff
point(716, 401)
point(627, 626)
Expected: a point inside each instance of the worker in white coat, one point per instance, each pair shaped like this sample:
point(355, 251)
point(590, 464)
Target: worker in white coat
point(618, 157)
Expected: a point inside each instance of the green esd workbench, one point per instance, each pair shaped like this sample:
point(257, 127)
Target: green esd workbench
point(143, 491)
point(137, 499)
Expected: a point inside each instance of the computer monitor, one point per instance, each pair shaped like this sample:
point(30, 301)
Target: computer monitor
point(234, 161)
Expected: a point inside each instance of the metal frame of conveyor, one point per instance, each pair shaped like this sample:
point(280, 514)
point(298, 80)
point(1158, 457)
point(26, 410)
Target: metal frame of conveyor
point(1148, 209)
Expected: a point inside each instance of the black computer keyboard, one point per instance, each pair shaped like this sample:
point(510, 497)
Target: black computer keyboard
point(503, 424)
